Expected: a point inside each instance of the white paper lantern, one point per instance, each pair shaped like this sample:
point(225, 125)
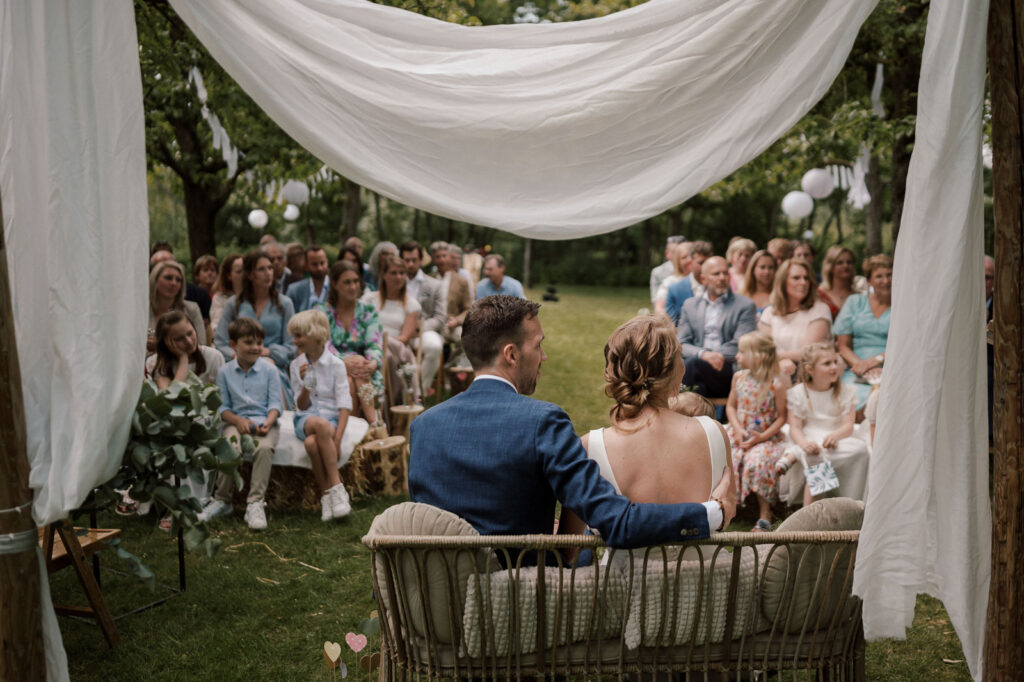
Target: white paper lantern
point(258, 218)
point(295, 192)
point(797, 205)
point(291, 212)
point(818, 183)
point(808, 235)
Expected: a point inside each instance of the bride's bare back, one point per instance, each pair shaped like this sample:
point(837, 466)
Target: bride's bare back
point(667, 460)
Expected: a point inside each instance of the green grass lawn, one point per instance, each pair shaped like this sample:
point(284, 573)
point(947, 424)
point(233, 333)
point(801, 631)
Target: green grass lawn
point(263, 607)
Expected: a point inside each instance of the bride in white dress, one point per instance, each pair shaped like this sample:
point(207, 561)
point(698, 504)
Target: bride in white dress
point(650, 453)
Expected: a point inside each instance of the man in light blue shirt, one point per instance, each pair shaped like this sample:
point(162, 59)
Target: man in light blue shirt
point(494, 281)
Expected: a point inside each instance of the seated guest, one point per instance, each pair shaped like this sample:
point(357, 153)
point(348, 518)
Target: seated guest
point(295, 258)
point(260, 301)
point(684, 459)
point(399, 315)
point(205, 273)
point(250, 391)
point(309, 291)
point(454, 288)
point(821, 419)
point(781, 248)
point(495, 280)
point(322, 396)
point(356, 337)
point(691, 284)
point(757, 413)
point(738, 254)
point(178, 356)
point(660, 272)
point(279, 262)
point(795, 318)
point(803, 251)
point(167, 293)
point(455, 253)
point(692, 404)
point(837, 278)
point(375, 265)
point(427, 291)
point(709, 330)
point(229, 283)
point(862, 327)
point(680, 274)
point(759, 280)
point(193, 292)
point(514, 458)
point(356, 245)
point(352, 256)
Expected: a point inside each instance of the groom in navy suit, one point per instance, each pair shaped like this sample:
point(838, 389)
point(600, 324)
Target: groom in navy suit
point(500, 460)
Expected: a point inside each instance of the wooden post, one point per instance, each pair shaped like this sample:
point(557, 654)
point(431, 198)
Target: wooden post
point(1004, 632)
point(21, 626)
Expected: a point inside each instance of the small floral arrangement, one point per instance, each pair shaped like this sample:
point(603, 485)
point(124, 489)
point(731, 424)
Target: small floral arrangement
point(408, 371)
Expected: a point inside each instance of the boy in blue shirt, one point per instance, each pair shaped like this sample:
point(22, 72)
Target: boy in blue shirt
point(250, 389)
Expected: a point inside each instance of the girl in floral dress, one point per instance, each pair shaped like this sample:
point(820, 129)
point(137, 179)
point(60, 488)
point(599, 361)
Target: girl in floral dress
point(757, 413)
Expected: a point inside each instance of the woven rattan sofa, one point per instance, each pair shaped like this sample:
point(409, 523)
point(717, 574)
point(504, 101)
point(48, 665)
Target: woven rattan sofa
point(454, 604)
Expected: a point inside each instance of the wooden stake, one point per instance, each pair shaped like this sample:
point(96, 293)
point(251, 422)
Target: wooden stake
point(1004, 632)
point(21, 628)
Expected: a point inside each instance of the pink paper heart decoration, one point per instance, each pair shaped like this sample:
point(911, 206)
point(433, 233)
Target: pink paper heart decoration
point(461, 376)
point(355, 642)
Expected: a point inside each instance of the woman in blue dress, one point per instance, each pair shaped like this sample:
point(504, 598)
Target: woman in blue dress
point(862, 327)
point(260, 301)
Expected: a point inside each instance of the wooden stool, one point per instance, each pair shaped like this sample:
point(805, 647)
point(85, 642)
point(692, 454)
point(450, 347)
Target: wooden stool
point(382, 463)
point(401, 418)
point(460, 378)
point(72, 546)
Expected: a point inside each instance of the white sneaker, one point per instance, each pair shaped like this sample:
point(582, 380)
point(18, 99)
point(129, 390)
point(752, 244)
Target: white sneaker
point(326, 513)
point(213, 509)
point(255, 516)
point(340, 507)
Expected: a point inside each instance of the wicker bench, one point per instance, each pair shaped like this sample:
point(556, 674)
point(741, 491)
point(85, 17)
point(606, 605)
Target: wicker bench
point(454, 604)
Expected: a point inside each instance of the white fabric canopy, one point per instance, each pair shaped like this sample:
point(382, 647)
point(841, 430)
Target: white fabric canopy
point(73, 181)
point(556, 130)
point(927, 526)
point(545, 130)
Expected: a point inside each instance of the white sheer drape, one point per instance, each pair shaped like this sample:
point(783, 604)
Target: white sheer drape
point(550, 131)
point(927, 526)
point(73, 181)
point(554, 131)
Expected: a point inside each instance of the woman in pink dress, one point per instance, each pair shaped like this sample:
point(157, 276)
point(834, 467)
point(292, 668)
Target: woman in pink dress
point(795, 318)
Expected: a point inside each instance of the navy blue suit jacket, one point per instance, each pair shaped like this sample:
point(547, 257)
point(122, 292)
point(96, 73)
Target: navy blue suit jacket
point(677, 295)
point(500, 461)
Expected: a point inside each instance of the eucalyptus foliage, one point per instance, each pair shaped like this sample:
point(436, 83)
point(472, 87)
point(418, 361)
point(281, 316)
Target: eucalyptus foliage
point(175, 437)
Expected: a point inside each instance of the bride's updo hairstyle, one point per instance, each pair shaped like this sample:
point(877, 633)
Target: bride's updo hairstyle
point(641, 360)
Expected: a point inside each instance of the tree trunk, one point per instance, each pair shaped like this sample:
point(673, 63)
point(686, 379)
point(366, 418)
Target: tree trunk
point(527, 257)
point(873, 180)
point(905, 72)
point(200, 214)
point(378, 218)
point(1004, 632)
point(353, 210)
point(21, 628)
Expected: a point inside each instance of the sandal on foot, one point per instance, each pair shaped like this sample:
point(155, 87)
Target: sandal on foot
point(165, 524)
point(127, 507)
point(762, 526)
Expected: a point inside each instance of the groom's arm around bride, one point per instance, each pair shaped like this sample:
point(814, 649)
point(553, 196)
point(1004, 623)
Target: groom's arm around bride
point(501, 460)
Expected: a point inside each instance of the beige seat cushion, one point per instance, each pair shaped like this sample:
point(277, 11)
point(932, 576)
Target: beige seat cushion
point(581, 605)
point(432, 581)
point(804, 584)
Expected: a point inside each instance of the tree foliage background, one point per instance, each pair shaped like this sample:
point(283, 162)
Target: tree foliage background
point(200, 205)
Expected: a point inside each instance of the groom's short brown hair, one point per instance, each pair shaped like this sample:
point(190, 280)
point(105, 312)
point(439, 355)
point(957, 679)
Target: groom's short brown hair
point(492, 322)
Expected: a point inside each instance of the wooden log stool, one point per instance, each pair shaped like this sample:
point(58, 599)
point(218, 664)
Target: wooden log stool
point(382, 463)
point(401, 420)
point(460, 378)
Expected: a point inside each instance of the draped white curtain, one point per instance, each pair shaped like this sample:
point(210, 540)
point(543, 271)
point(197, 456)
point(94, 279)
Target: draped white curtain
point(73, 181)
point(549, 131)
point(927, 526)
point(552, 131)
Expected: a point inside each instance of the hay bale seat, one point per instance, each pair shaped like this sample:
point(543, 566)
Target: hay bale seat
point(457, 605)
